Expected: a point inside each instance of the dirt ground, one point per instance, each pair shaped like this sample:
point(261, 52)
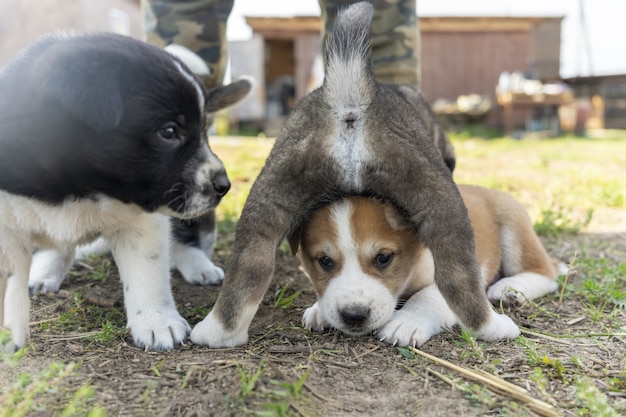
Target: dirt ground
point(343, 376)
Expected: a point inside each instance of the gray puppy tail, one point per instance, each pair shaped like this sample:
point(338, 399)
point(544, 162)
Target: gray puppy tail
point(349, 81)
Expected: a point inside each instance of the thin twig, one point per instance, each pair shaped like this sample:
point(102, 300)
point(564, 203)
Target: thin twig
point(367, 352)
point(555, 337)
point(74, 336)
point(540, 407)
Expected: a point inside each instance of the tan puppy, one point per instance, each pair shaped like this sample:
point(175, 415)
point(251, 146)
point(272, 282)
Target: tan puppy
point(364, 259)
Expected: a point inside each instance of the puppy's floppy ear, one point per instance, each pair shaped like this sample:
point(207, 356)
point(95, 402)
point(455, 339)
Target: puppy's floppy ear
point(221, 97)
point(294, 240)
point(87, 85)
point(394, 218)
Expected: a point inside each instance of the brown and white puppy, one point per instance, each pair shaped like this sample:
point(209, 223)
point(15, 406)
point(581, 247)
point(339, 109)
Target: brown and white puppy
point(364, 260)
point(352, 136)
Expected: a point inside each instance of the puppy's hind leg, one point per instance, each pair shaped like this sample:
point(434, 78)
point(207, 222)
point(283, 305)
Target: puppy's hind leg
point(528, 270)
point(194, 265)
point(192, 248)
point(98, 247)
point(48, 270)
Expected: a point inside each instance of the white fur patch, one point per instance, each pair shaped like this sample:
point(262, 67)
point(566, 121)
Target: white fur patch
point(48, 270)
point(140, 244)
point(423, 316)
point(350, 151)
point(211, 332)
point(191, 59)
point(193, 81)
point(498, 327)
point(527, 285)
point(195, 265)
point(352, 288)
point(312, 319)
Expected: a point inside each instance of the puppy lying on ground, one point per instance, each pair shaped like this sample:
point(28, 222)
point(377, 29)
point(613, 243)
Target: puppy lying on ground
point(353, 136)
point(364, 259)
point(103, 135)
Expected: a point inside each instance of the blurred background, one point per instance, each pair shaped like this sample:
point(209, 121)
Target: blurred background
point(522, 68)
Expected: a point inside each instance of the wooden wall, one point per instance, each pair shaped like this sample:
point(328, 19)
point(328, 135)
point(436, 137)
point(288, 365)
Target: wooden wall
point(466, 55)
point(455, 63)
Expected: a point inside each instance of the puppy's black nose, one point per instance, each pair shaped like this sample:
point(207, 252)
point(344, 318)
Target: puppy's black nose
point(221, 184)
point(354, 316)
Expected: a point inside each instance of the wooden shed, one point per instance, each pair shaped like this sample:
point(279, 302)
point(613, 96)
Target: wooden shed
point(460, 55)
point(605, 96)
point(467, 55)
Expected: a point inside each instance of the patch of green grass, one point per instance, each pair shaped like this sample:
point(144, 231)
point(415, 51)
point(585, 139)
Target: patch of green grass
point(603, 287)
point(560, 181)
point(243, 159)
point(471, 347)
point(282, 300)
point(194, 313)
point(102, 268)
point(557, 220)
point(33, 395)
point(261, 394)
point(99, 324)
point(553, 366)
point(108, 333)
point(592, 402)
point(249, 378)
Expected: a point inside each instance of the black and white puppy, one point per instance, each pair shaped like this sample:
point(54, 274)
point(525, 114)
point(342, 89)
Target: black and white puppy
point(103, 135)
point(193, 240)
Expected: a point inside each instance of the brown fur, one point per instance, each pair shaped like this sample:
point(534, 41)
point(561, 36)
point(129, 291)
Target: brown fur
point(490, 211)
point(364, 261)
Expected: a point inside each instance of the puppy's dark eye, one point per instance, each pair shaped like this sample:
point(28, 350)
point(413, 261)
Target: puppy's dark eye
point(382, 260)
point(169, 132)
point(326, 263)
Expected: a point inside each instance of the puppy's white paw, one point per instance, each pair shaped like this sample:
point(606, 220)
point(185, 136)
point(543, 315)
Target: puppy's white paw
point(195, 266)
point(517, 288)
point(203, 272)
point(405, 329)
point(312, 319)
point(48, 270)
point(498, 327)
point(42, 282)
point(19, 336)
point(154, 330)
point(211, 332)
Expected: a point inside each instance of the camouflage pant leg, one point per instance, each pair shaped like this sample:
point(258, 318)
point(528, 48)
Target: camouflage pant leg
point(199, 25)
point(395, 43)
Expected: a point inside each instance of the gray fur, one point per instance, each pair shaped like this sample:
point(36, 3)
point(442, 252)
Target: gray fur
point(399, 162)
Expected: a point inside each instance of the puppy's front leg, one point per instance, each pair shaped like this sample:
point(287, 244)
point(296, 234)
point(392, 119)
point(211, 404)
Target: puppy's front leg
point(249, 273)
point(277, 201)
point(423, 316)
point(142, 257)
point(16, 297)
